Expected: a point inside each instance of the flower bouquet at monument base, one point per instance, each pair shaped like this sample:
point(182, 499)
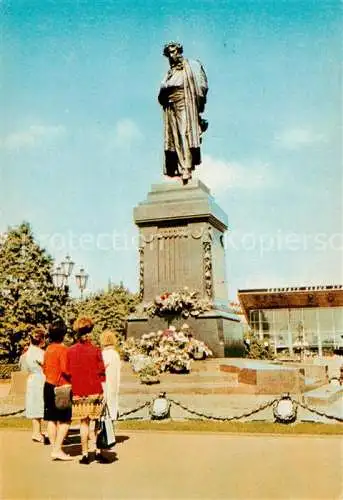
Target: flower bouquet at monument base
point(184, 303)
point(168, 350)
point(149, 374)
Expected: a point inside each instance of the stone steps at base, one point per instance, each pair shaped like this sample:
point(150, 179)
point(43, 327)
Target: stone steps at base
point(186, 378)
point(324, 395)
point(187, 389)
point(208, 365)
point(206, 379)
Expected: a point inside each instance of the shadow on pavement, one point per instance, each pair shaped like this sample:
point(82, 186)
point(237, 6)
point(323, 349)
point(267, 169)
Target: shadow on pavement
point(111, 456)
point(73, 437)
point(72, 445)
point(74, 450)
point(121, 439)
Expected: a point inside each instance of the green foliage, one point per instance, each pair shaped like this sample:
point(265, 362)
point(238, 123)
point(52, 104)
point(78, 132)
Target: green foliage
point(259, 349)
point(234, 349)
point(108, 309)
point(27, 295)
point(6, 370)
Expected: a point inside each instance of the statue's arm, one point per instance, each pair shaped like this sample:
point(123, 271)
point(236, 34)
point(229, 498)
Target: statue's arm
point(203, 79)
point(202, 86)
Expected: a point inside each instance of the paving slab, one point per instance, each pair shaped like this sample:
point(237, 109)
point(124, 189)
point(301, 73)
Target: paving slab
point(178, 466)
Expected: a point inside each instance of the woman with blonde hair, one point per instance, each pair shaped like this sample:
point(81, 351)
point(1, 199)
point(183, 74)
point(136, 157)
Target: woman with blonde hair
point(110, 355)
point(87, 372)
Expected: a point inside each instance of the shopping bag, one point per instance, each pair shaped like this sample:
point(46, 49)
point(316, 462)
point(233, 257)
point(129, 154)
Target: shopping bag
point(63, 397)
point(106, 437)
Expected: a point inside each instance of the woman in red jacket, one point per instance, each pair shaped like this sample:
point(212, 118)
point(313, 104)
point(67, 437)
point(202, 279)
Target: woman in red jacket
point(87, 373)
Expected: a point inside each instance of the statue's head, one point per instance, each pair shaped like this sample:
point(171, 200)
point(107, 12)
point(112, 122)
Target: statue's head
point(174, 51)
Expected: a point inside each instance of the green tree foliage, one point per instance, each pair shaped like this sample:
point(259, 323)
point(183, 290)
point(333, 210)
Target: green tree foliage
point(27, 295)
point(108, 309)
point(259, 349)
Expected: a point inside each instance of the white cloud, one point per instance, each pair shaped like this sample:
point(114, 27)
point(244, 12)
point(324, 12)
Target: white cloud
point(296, 138)
point(31, 137)
point(220, 175)
point(125, 134)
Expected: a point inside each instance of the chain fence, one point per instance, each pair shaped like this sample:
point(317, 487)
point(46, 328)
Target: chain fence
point(222, 419)
point(254, 411)
point(206, 416)
point(319, 413)
point(12, 413)
point(134, 410)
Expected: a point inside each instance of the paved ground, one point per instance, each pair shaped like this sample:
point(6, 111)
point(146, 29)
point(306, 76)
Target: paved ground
point(152, 465)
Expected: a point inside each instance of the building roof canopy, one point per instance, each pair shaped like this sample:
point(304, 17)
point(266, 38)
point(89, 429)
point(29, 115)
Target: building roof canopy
point(292, 297)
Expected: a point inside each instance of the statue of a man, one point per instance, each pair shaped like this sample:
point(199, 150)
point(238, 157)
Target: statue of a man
point(182, 96)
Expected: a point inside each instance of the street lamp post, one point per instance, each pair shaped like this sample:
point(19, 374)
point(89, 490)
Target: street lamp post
point(63, 272)
point(59, 278)
point(81, 281)
point(301, 342)
point(67, 267)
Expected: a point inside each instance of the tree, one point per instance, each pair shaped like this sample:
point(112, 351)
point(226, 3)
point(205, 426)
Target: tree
point(109, 309)
point(27, 294)
point(258, 349)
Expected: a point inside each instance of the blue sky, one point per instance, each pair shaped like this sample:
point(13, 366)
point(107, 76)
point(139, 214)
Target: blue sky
point(81, 129)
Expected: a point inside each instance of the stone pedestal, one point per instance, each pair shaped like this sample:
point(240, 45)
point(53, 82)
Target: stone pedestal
point(181, 234)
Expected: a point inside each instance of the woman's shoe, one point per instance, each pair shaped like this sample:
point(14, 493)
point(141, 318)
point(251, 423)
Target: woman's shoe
point(38, 439)
point(101, 459)
point(84, 460)
point(61, 456)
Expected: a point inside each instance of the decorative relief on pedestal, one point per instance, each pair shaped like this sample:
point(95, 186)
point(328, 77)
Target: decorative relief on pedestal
point(197, 234)
point(164, 233)
point(141, 272)
point(172, 232)
point(207, 262)
point(147, 238)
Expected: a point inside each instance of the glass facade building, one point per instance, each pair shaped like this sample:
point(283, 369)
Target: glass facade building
point(292, 318)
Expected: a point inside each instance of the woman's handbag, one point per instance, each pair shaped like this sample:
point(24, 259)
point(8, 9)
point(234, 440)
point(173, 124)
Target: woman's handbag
point(106, 438)
point(63, 397)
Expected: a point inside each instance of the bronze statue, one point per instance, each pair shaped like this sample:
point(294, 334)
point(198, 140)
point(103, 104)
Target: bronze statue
point(183, 96)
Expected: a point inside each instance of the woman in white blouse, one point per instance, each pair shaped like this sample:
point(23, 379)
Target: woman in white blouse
point(32, 362)
point(108, 341)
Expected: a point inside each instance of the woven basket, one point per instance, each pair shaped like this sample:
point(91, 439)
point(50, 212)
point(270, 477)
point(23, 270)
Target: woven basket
point(87, 407)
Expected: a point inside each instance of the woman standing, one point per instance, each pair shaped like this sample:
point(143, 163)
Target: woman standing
point(56, 373)
point(21, 362)
point(108, 341)
point(87, 372)
point(32, 363)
